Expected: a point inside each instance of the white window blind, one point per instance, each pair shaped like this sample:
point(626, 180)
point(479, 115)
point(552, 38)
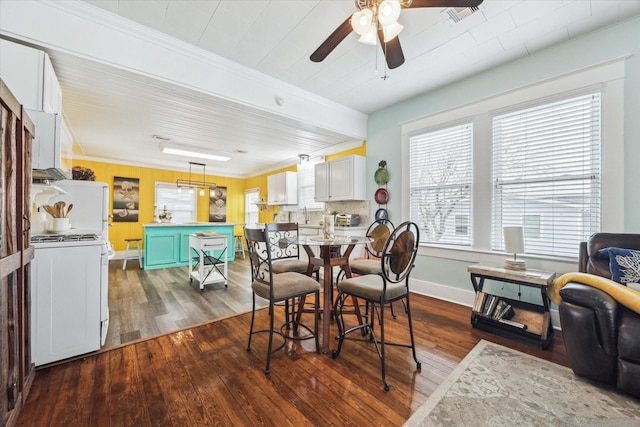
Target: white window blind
point(251, 216)
point(181, 204)
point(546, 174)
point(307, 186)
point(440, 175)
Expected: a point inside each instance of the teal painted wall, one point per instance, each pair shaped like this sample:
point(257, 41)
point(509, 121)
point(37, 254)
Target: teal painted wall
point(384, 133)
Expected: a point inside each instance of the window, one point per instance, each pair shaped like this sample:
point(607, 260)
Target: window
point(251, 216)
point(546, 174)
point(181, 203)
point(440, 175)
point(559, 197)
point(307, 185)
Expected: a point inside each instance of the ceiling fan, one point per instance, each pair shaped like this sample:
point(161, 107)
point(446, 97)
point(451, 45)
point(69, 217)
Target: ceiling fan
point(377, 19)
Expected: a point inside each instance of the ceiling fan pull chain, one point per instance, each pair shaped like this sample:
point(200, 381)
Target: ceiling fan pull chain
point(384, 50)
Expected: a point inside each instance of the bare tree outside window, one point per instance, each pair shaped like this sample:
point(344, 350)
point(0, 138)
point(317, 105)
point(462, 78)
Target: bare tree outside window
point(440, 181)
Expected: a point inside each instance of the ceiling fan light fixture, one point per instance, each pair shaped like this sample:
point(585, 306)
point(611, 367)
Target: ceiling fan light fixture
point(370, 37)
point(391, 31)
point(388, 12)
point(361, 21)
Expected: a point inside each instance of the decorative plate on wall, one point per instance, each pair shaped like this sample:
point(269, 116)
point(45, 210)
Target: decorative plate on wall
point(381, 176)
point(382, 196)
point(382, 214)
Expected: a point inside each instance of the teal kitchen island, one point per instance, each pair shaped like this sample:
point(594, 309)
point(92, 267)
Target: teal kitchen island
point(167, 245)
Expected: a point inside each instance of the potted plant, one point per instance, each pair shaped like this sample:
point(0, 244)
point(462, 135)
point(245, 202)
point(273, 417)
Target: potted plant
point(164, 216)
point(81, 173)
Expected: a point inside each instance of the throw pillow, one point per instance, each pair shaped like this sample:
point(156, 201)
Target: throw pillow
point(624, 265)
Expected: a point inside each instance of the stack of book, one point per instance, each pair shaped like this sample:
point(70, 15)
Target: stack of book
point(493, 306)
point(515, 265)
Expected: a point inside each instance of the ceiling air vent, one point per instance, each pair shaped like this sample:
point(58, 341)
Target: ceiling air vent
point(457, 14)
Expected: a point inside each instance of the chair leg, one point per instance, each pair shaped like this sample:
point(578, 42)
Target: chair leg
point(382, 359)
point(253, 315)
point(337, 313)
point(393, 314)
point(271, 308)
point(413, 344)
point(316, 315)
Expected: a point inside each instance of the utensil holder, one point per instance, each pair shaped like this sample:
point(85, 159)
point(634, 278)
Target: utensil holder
point(60, 224)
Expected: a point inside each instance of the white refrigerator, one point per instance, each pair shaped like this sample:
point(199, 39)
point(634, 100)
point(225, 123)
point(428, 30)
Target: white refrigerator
point(90, 212)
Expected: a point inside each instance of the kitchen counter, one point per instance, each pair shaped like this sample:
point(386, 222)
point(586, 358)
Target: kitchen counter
point(167, 244)
point(189, 224)
point(341, 227)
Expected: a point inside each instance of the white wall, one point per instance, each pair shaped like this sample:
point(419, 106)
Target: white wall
point(443, 273)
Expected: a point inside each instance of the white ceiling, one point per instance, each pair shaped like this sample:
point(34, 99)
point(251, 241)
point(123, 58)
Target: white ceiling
point(114, 112)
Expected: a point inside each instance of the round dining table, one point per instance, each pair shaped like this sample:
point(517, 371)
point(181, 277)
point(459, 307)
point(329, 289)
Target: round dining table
point(332, 252)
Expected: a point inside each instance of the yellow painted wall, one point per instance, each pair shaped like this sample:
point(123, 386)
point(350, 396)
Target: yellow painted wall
point(359, 151)
point(149, 176)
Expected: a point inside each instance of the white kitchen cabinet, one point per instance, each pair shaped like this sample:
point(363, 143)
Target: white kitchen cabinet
point(341, 179)
point(282, 189)
point(358, 250)
point(30, 76)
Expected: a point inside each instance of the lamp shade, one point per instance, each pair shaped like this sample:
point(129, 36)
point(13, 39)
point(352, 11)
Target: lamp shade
point(513, 240)
point(391, 31)
point(370, 37)
point(361, 21)
point(388, 12)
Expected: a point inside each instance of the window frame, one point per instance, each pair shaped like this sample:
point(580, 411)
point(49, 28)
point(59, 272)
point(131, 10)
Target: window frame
point(159, 206)
point(608, 77)
point(309, 172)
point(452, 134)
point(548, 163)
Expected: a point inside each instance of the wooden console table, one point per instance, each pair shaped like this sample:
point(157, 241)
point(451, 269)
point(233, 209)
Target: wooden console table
point(530, 323)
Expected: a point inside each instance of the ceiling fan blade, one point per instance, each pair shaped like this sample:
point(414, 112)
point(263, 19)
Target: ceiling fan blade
point(445, 3)
point(392, 51)
point(332, 41)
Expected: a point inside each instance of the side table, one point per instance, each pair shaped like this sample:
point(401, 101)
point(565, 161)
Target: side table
point(204, 265)
point(525, 322)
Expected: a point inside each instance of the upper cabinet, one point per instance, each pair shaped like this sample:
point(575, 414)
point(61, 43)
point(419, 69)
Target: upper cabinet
point(282, 189)
point(30, 76)
point(341, 179)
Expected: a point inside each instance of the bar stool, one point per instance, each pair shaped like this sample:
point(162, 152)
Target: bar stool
point(126, 252)
point(239, 246)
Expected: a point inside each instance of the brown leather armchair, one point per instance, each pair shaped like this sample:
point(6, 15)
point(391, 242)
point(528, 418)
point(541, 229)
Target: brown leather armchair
point(602, 337)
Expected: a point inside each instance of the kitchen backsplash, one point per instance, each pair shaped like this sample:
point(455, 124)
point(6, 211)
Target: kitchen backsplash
point(359, 207)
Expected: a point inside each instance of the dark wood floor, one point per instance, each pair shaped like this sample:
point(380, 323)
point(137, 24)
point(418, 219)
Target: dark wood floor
point(204, 375)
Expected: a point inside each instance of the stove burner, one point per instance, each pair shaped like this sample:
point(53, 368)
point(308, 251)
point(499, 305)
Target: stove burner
point(64, 238)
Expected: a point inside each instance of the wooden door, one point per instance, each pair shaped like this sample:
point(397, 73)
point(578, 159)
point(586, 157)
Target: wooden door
point(16, 369)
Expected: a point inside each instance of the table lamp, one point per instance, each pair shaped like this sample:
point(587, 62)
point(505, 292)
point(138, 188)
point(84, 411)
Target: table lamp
point(514, 243)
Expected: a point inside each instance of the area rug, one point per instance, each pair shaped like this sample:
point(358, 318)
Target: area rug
point(496, 386)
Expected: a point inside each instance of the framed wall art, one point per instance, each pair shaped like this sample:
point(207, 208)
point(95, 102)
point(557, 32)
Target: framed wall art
point(126, 197)
point(218, 204)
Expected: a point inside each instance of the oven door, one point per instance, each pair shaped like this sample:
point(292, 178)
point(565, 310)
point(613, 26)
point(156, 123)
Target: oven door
point(65, 309)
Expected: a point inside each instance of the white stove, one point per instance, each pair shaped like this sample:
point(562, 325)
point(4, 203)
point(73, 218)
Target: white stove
point(70, 282)
point(41, 239)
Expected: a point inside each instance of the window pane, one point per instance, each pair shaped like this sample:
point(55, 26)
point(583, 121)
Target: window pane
point(440, 174)
point(546, 174)
point(181, 203)
point(307, 186)
point(251, 197)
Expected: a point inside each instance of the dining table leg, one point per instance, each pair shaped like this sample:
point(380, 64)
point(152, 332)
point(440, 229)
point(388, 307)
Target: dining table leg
point(327, 272)
point(327, 262)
